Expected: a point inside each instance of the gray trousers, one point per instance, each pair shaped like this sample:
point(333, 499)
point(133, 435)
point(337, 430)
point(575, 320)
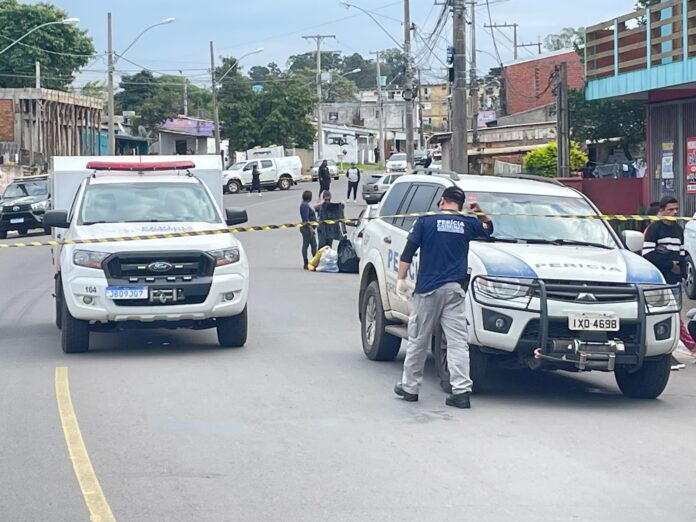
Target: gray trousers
point(445, 306)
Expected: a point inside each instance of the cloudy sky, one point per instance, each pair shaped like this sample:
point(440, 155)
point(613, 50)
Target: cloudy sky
point(240, 26)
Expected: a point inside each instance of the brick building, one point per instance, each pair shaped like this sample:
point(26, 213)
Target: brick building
point(527, 83)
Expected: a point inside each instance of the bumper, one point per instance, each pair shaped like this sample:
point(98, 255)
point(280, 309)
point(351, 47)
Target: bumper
point(101, 309)
point(536, 326)
point(21, 220)
point(372, 198)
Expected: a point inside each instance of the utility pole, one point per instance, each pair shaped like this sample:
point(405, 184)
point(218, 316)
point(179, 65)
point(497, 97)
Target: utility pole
point(380, 107)
point(538, 45)
point(474, 83)
point(421, 141)
point(185, 93)
point(37, 66)
point(563, 120)
point(514, 34)
point(460, 122)
point(110, 87)
point(320, 128)
point(216, 111)
point(408, 87)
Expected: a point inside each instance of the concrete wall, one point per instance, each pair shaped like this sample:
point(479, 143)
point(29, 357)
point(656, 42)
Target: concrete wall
point(167, 143)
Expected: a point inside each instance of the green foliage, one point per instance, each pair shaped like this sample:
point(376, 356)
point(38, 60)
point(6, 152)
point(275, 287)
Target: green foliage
point(95, 89)
point(17, 64)
point(606, 119)
point(544, 161)
point(568, 38)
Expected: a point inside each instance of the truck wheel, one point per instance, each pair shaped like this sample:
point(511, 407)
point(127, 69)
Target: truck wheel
point(378, 345)
point(648, 382)
point(75, 333)
point(233, 186)
point(232, 331)
point(690, 278)
point(478, 364)
point(59, 302)
point(3, 234)
point(285, 183)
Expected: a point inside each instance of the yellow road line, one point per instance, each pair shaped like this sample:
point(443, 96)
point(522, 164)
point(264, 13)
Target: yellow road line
point(91, 490)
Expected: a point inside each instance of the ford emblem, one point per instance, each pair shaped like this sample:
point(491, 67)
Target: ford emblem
point(160, 266)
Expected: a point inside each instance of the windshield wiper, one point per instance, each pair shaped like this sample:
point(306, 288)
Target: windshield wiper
point(493, 239)
point(87, 223)
point(560, 242)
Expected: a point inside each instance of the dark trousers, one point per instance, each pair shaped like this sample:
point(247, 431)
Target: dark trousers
point(309, 240)
point(255, 186)
point(323, 187)
point(353, 185)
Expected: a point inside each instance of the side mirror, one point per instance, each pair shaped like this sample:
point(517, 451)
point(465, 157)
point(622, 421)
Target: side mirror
point(633, 240)
point(235, 216)
point(56, 219)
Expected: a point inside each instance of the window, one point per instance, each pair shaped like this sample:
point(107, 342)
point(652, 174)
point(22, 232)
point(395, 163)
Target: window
point(393, 201)
point(391, 95)
point(426, 90)
point(333, 116)
point(266, 164)
point(419, 199)
point(250, 165)
point(427, 106)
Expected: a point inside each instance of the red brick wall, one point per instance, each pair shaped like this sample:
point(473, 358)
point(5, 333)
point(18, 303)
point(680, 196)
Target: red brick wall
point(6, 120)
point(526, 82)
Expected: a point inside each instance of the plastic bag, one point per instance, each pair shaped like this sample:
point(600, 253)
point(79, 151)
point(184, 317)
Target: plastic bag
point(348, 260)
point(328, 262)
point(314, 262)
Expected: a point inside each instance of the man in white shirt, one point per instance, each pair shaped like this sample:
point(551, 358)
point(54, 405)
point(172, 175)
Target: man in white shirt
point(353, 175)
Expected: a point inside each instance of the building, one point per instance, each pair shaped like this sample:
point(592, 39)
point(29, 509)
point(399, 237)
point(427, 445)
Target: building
point(528, 83)
point(650, 54)
point(37, 124)
point(434, 107)
point(346, 144)
point(186, 135)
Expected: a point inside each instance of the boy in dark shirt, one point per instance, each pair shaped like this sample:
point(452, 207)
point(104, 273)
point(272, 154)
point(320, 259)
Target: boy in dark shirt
point(664, 243)
point(307, 215)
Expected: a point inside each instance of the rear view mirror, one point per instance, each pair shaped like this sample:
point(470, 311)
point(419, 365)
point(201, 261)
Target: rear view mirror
point(633, 240)
point(56, 219)
point(235, 216)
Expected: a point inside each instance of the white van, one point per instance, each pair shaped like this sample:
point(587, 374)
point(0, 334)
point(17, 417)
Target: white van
point(280, 173)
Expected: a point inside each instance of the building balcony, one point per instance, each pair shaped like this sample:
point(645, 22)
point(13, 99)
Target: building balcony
point(648, 49)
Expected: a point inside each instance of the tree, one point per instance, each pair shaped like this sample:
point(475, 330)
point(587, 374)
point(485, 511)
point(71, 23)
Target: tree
point(544, 161)
point(367, 77)
point(330, 61)
point(95, 89)
point(606, 119)
point(394, 66)
point(153, 100)
point(568, 38)
point(61, 49)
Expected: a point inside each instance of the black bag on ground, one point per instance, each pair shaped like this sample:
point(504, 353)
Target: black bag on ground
point(348, 261)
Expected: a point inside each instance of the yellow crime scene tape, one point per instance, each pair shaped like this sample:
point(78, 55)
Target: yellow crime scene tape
point(286, 226)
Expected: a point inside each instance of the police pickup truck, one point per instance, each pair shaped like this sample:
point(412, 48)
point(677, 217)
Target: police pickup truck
point(545, 292)
point(108, 281)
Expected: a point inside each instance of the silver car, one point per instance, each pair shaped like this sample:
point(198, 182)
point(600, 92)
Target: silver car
point(333, 169)
point(376, 186)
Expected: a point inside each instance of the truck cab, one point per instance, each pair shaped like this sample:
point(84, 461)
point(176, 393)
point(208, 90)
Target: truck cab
point(280, 173)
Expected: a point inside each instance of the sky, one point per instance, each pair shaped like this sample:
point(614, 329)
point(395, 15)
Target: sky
point(240, 26)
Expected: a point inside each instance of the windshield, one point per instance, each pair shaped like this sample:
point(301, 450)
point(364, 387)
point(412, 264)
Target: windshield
point(238, 166)
point(398, 157)
point(33, 188)
point(147, 202)
point(533, 227)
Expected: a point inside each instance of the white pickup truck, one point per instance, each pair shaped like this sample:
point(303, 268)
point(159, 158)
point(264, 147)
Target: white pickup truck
point(545, 292)
point(111, 283)
point(280, 173)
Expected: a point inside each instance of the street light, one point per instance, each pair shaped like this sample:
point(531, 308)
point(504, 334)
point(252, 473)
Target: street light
point(348, 5)
point(236, 64)
point(67, 21)
point(110, 73)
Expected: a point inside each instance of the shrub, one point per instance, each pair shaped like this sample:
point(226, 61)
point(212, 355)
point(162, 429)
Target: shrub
point(544, 161)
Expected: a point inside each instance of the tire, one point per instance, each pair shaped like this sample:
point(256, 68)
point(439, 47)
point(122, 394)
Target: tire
point(47, 231)
point(234, 186)
point(285, 183)
point(22, 232)
point(648, 382)
point(378, 345)
point(74, 336)
point(690, 278)
point(3, 234)
point(232, 331)
point(478, 364)
point(59, 302)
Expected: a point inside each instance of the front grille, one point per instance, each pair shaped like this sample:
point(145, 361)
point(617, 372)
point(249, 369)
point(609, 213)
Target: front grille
point(138, 267)
point(558, 329)
point(9, 207)
point(187, 300)
point(555, 291)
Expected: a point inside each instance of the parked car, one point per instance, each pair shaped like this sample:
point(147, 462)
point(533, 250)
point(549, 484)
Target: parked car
point(280, 173)
point(333, 169)
point(356, 237)
point(24, 205)
point(690, 247)
point(376, 186)
point(397, 163)
point(419, 157)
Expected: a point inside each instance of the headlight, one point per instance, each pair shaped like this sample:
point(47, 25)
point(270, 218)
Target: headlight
point(89, 259)
point(226, 256)
point(505, 289)
point(40, 205)
point(657, 297)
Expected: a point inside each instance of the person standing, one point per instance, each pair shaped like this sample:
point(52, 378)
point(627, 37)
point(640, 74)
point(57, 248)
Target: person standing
point(255, 180)
point(309, 239)
point(440, 293)
point(324, 177)
point(329, 232)
point(353, 175)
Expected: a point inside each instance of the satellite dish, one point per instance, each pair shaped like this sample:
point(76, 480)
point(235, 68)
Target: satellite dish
point(142, 131)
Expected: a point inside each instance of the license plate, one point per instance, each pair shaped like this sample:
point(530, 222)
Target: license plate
point(16, 220)
point(126, 292)
point(594, 322)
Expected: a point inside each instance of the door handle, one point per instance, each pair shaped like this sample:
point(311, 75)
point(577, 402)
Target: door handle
point(387, 240)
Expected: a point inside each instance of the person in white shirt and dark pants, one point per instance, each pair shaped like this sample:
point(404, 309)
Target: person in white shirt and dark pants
point(353, 175)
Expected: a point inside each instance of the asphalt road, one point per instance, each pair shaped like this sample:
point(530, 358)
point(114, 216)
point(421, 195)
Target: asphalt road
point(299, 425)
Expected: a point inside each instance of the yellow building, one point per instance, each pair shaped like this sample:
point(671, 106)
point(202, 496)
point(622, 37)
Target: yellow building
point(434, 106)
